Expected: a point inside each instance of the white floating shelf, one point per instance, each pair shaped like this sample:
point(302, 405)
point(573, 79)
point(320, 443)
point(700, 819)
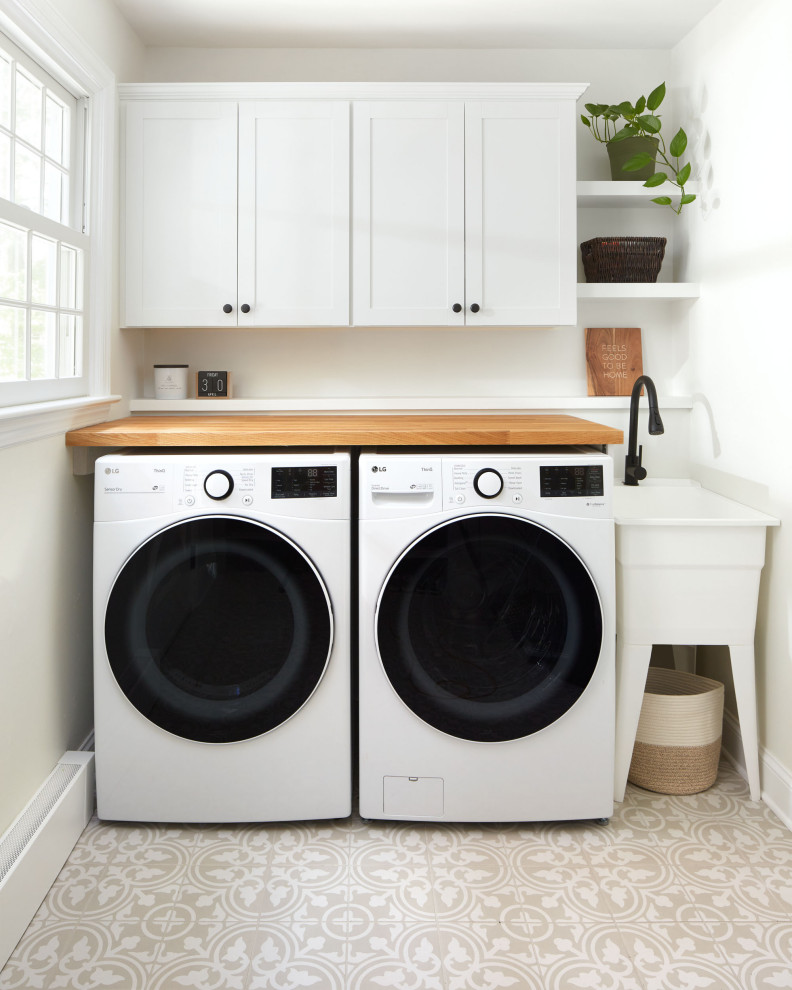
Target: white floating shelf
point(620, 194)
point(638, 290)
point(396, 404)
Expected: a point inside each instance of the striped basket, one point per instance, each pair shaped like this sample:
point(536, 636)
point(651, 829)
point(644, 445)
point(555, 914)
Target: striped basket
point(677, 746)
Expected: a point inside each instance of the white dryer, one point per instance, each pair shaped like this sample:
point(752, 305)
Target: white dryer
point(486, 635)
point(221, 636)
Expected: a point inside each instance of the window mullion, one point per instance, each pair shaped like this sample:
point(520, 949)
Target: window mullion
point(29, 308)
point(12, 120)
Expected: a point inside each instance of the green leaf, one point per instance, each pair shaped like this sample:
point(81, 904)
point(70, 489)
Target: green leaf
point(683, 175)
point(662, 200)
point(585, 120)
point(678, 144)
point(640, 106)
point(622, 134)
point(593, 109)
point(656, 97)
point(656, 180)
point(626, 109)
point(641, 160)
point(650, 123)
point(687, 198)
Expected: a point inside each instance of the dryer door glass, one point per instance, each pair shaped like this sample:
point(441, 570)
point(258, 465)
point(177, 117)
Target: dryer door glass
point(489, 627)
point(218, 629)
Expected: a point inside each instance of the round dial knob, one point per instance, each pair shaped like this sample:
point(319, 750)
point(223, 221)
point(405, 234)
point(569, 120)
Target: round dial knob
point(218, 485)
point(488, 483)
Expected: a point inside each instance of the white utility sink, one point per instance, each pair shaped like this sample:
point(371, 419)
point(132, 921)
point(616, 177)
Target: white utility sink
point(688, 564)
point(680, 502)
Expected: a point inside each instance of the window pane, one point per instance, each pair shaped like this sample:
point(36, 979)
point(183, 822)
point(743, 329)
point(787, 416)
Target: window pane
point(42, 345)
point(28, 108)
point(13, 262)
point(53, 130)
point(5, 166)
point(5, 92)
point(53, 196)
point(70, 349)
point(27, 178)
point(12, 344)
point(69, 278)
point(44, 271)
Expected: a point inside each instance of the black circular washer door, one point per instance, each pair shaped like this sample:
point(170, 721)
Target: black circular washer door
point(218, 629)
point(489, 627)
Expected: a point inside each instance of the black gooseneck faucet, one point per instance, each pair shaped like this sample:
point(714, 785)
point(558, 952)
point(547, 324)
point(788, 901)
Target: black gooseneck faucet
point(633, 472)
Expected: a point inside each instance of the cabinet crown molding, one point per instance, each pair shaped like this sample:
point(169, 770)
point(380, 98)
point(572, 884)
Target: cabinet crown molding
point(352, 91)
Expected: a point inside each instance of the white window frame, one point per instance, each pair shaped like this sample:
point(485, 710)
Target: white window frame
point(43, 34)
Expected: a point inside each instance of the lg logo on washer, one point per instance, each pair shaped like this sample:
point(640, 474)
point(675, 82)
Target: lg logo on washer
point(374, 468)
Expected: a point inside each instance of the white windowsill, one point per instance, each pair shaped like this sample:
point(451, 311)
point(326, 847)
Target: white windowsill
point(36, 420)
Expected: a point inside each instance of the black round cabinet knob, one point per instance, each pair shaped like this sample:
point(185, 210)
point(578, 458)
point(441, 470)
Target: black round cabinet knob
point(457, 307)
point(245, 308)
point(474, 307)
point(228, 308)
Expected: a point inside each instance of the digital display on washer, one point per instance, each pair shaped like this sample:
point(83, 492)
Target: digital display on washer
point(305, 482)
point(570, 480)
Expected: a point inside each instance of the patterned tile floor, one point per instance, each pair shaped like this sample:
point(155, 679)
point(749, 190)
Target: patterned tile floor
point(673, 894)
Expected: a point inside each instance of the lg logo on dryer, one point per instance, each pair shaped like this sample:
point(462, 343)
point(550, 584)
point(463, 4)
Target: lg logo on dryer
point(374, 468)
point(109, 470)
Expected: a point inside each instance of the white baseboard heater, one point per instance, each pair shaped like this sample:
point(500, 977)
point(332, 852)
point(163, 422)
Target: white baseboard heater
point(35, 847)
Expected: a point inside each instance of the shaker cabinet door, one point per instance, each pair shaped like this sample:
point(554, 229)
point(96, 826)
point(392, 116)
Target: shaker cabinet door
point(520, 219)
point(180, 214)
point(294, 213)
point(408, 213)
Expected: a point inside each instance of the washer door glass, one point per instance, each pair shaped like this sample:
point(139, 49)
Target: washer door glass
point(218, 629)
point(489, 627)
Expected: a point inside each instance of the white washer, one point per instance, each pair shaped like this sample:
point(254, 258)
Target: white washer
point(221, 636)
point(486, 635)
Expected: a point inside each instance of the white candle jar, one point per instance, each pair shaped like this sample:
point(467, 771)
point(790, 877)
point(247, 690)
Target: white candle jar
point(170, 381)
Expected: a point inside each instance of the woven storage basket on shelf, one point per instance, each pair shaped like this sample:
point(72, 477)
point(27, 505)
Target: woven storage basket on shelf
point(677, 745)
point(622, 259)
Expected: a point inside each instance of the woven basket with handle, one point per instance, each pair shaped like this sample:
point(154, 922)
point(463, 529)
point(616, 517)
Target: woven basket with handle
point(677, 745)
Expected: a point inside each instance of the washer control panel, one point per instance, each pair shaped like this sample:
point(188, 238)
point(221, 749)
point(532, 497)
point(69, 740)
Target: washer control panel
point(301, 484)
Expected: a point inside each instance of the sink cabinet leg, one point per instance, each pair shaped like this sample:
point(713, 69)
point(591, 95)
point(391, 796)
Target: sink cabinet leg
point(744, 675)
point(685, 658)
point(632, 663)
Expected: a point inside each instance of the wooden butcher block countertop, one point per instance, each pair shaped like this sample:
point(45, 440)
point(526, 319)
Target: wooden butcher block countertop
point(276, 430)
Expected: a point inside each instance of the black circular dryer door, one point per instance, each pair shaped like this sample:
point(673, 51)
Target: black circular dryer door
point(489, 627)
point(218, 629)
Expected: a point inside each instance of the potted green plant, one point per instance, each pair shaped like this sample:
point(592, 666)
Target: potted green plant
point(631, 133)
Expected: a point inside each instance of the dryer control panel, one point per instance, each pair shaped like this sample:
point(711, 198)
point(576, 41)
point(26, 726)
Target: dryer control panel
point(566, 485)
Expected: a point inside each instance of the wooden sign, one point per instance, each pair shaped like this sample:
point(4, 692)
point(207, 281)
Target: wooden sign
point(212, 384)
point(613, 359)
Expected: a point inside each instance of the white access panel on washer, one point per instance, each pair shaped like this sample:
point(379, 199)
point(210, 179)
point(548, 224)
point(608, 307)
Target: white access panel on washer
point(221, 635)
point(486, 684)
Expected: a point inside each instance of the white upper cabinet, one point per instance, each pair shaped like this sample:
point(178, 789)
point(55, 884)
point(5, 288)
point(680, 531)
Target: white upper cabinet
point(180, 214)
point(294, 213)
point(408, 219)
point(237, 207)
point(520, 214)
point(236, 215)
point(464, 213)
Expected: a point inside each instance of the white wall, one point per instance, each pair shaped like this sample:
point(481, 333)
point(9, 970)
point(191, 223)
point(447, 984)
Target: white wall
point(45, 564)
point(732, 71)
